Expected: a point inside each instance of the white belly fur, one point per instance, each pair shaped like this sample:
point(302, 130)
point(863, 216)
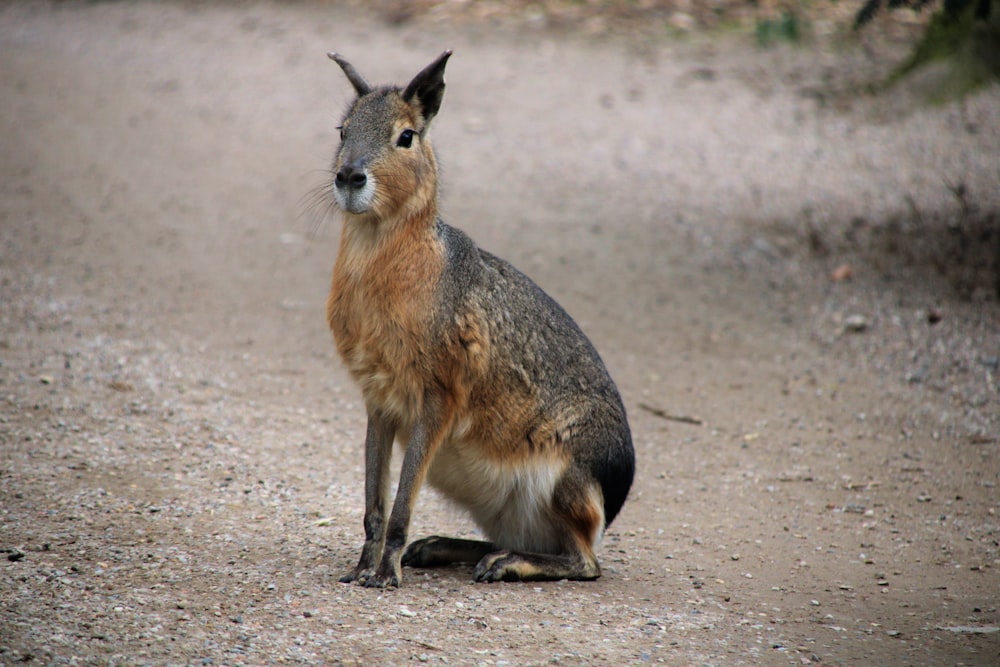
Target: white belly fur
point(511, 502)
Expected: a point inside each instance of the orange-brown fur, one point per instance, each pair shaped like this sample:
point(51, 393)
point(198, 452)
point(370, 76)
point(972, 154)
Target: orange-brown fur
point(379, 304)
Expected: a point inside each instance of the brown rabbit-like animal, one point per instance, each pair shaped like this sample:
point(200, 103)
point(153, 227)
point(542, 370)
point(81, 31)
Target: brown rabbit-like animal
point(496, 396)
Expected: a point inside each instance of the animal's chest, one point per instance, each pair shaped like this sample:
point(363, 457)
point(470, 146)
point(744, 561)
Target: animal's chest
point(383, 339)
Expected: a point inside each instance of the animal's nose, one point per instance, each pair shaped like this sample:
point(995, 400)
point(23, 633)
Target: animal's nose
point(351, 177)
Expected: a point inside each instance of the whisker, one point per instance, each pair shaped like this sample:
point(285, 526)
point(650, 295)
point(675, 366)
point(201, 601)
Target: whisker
point(317, 205)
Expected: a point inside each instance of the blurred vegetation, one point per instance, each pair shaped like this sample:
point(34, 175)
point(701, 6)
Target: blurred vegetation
point(964, 35)
point(786, 28)
point(773, 20)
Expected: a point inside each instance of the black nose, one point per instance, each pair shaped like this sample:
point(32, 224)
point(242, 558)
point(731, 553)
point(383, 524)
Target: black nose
point(352, 178)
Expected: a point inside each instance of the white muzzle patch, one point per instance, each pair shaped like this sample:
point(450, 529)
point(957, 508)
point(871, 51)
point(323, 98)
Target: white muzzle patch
point(356, 200)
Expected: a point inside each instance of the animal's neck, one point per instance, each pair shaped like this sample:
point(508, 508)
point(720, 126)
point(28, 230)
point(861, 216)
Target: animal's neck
point(367, 234)
point(401, 250)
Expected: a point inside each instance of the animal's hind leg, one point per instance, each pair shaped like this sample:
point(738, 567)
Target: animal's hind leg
point(436, 551)
point(523, 566)
point(578, 518)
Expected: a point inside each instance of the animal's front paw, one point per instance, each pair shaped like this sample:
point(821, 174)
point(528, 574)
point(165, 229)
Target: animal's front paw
point(378, 580)
point(358, 574)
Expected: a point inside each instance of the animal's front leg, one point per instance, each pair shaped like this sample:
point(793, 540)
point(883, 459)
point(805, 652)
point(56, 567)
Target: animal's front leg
point(427, 435)
point(378, 452)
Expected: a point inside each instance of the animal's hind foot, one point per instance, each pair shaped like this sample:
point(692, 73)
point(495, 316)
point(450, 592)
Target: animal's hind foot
point(436, 551)
point(498, 566)
point(515, 566)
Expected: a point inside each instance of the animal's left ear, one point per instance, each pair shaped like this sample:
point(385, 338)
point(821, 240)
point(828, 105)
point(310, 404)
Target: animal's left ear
point(427, 87)
point(361, 87)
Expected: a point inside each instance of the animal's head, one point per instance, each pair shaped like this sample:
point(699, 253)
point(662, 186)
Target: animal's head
point(385, 167)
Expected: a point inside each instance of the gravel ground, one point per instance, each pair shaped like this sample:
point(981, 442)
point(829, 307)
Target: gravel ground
point(806, 274)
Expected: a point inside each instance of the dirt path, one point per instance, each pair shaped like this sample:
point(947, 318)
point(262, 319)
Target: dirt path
point(174, 424)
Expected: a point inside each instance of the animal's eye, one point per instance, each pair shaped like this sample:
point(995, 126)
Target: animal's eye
point(340, 128)
point(405, 139)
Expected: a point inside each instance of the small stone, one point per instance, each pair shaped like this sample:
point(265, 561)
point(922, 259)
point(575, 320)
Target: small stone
point(991, 362)
point(403, 611)
point(842, 273)
point(974, 629)
point(682, 21)
point(855, 323)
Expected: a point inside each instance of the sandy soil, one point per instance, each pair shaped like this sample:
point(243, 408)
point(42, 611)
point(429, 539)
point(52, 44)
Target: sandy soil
point(181, 470)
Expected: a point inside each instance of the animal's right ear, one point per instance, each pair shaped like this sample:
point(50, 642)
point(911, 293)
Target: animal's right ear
point(427, 87)
point(361, 87)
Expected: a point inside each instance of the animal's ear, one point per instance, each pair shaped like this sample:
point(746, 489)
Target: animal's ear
point(428, 87)
point(361, 87)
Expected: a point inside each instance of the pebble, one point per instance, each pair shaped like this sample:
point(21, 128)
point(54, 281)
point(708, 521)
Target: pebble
point(974, 629)
point(991, 362)
point(855, 323)
point(842, 273)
